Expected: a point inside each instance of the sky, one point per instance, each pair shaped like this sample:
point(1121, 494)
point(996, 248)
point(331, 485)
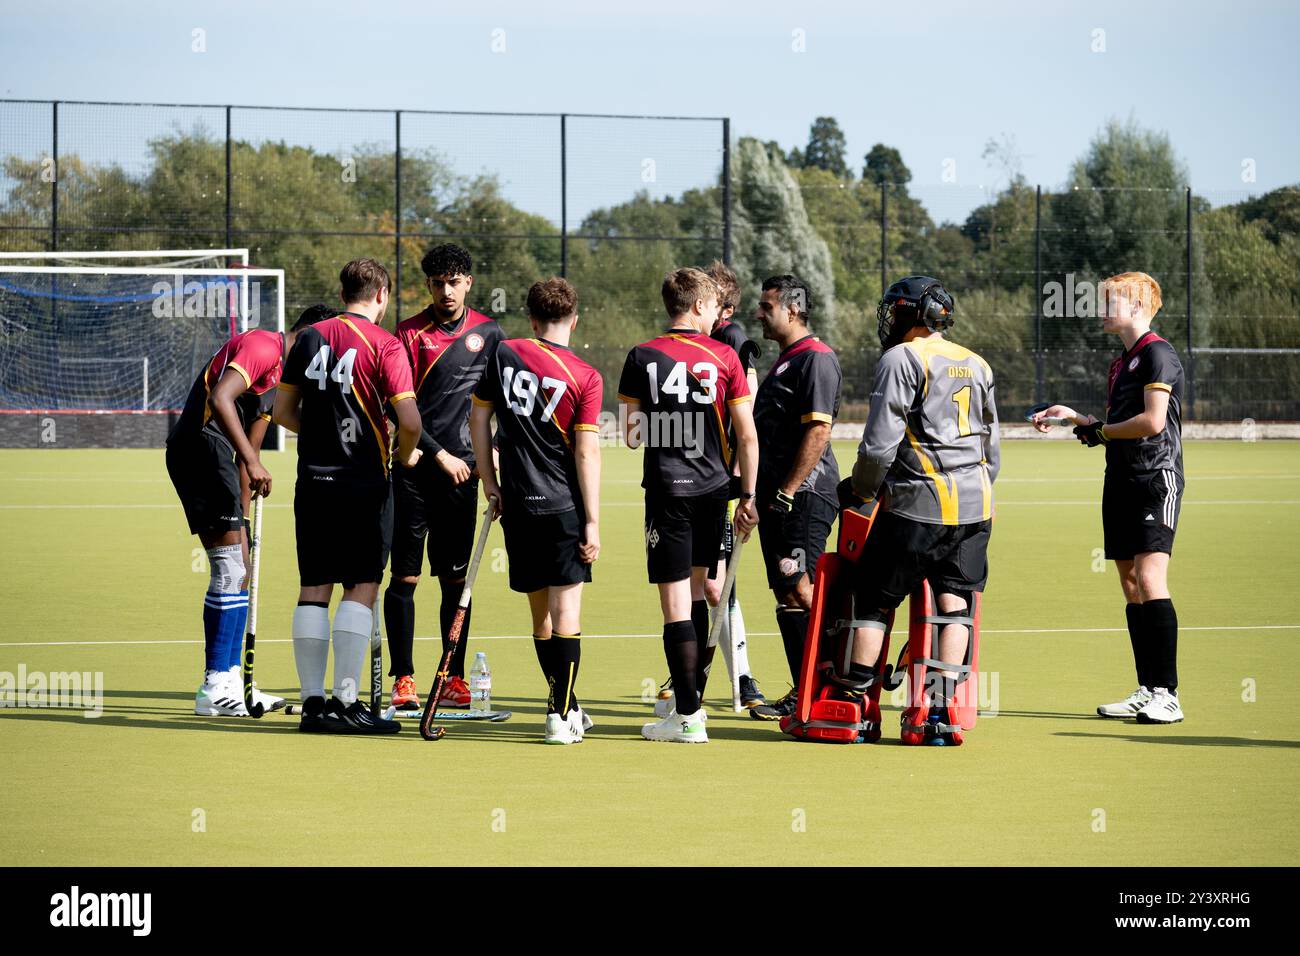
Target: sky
point(936, 79)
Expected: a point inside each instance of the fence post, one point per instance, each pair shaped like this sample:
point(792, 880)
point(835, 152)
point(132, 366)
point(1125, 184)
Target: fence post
point(1191, 351)
point(229, 231)
point(1039, 384)
point(564, 196)
point(884, 240)
point(54, 183)
point(726, 190)
point(397, 204)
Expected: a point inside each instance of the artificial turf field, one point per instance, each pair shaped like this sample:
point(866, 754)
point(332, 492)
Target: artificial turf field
point(98, 574)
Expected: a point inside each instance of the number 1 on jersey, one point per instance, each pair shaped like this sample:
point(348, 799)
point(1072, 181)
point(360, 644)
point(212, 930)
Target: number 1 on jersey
point(962, 400)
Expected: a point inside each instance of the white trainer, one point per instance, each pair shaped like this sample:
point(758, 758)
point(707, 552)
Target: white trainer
point(665, 705)
point(269, 702)
point(1128, 707)
point(214, 698)
point(678, 729)
point(563, 730)
point(587, 722)
point(1163, 708)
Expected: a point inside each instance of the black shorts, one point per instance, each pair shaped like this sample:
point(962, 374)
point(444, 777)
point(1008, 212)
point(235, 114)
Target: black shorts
point(793, 543)
point(543, 550)
point(424, 498)
point(901, 553)
point(206, 477)
point(343, 532)
point(683, 533)
point(1139, 513)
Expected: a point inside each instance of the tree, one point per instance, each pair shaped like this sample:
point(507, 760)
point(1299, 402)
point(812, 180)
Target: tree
point(884, 164)
point(826, 147)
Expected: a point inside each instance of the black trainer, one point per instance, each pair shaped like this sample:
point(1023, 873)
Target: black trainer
point(750, 695)
point(313, 720)
point(356, 718)
point(784, 707)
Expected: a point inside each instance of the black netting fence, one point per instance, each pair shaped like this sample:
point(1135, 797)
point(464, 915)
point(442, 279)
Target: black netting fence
point(615, 202)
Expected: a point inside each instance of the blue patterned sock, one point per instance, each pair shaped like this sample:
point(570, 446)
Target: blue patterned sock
point(238, 627)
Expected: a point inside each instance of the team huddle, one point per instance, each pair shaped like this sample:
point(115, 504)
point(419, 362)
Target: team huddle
point(396, 438)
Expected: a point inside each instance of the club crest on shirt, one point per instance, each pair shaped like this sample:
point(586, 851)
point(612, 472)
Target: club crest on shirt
point(1134, 364)
point(474, 342)
point(782, 367)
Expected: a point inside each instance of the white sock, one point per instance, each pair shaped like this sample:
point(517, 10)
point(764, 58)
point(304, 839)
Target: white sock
point(311, 647)
point(352, 624)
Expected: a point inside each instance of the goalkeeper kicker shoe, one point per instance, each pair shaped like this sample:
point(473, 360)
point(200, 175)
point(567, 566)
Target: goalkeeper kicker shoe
point(1128, 707)
point(216, 697)
point(678, 729)
point(1162, 708)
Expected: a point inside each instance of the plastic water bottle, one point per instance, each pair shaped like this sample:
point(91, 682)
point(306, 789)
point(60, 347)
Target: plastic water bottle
point(480, 685)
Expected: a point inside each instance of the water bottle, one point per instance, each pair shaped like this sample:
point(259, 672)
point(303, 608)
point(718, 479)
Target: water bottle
point(480, 685)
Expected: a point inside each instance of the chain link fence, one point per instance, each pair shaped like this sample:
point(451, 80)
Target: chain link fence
point(614, 202)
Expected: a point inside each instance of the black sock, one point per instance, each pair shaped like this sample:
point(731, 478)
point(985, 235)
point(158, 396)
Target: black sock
point(545, 657)
point(700, 621)
point(793, 624)
point(1162, 638)
point(567, 655)
point(446, 614)
point(682, 651)
point(1136, 637)
point(399, 619)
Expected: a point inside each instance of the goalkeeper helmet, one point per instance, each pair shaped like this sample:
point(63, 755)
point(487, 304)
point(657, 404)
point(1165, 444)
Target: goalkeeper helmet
point(916, 300)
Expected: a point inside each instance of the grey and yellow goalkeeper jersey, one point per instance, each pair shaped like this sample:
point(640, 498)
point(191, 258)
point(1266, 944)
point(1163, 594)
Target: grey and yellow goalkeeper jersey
point(932, 435)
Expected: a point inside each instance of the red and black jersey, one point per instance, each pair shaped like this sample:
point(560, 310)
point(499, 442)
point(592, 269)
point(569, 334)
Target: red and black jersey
point(257, 355)
point(346, 369)
point(684, 384)
point(803, 386)
point(730, 333)
point(448, 361)
point(1150, 364)
point(543, 394)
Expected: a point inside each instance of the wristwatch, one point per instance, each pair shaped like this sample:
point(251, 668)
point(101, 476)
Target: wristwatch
point(783, 502)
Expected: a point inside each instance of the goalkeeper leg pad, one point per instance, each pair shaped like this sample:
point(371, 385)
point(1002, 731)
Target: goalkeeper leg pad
point(937, 706)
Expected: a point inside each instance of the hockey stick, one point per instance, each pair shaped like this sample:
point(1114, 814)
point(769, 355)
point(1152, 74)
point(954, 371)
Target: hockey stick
point(492, 716)
point(428, 730)
point(723, 616)
point(376, 662)
point(250, 637)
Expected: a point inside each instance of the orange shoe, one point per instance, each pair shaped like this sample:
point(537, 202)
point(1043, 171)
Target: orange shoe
point(405, 696)
point(455, 693)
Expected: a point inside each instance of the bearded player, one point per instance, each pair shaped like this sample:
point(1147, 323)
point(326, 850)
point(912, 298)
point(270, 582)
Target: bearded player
point(214, 463)
point(1143, 490)
point(546, 400)
point(448, 346)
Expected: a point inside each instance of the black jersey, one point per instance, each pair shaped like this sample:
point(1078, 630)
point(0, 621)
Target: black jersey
point(1150, 364)
point(447, 362)
point(730, 333)
point(684, 385)
point(347, 370)
point(803, 386)
point(543, 394)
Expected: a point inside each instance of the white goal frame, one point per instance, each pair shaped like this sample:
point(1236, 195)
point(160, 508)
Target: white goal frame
point(179, 274)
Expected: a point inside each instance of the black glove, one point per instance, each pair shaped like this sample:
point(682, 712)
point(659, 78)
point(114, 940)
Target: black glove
point(1091, 435)
point(851, 499)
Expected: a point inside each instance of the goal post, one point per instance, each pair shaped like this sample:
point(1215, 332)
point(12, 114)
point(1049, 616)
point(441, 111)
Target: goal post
point(122, 342)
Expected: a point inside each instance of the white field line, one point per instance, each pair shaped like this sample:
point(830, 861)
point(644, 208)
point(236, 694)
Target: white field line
point(659, 634)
